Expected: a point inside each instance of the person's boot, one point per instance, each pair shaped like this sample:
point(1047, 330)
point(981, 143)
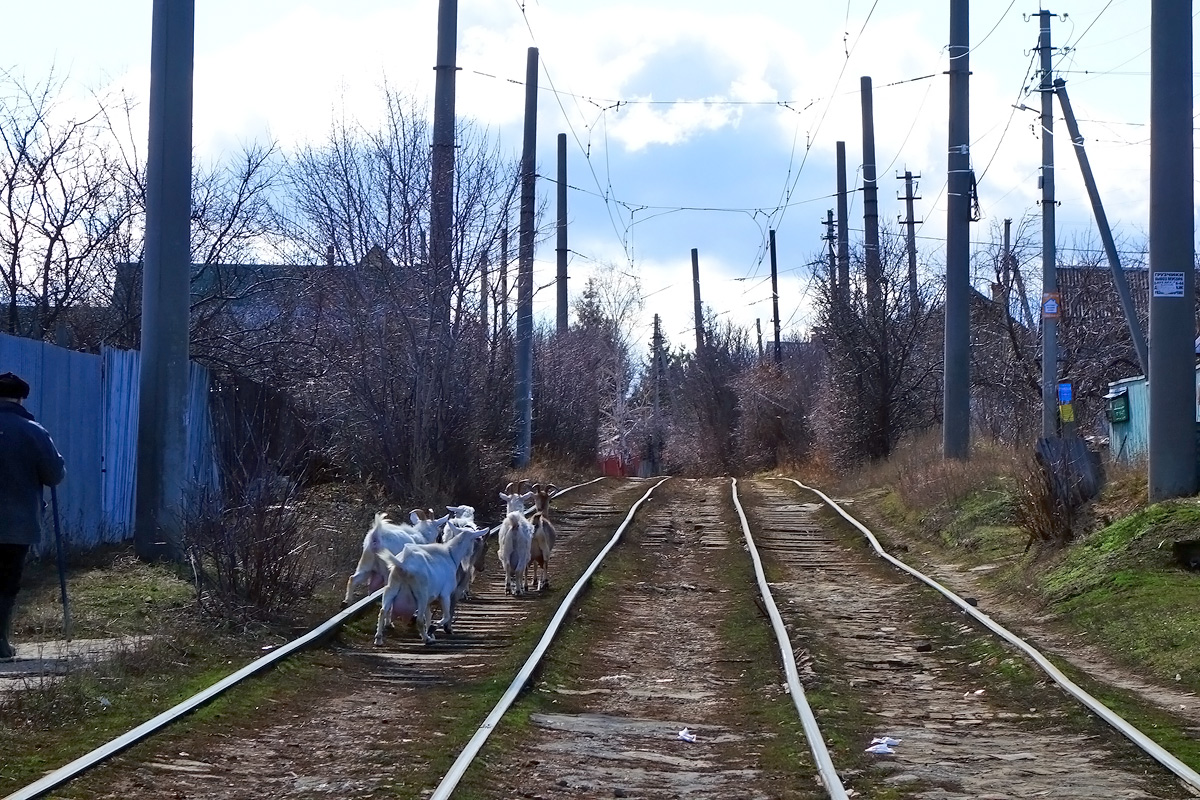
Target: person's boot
point(7, 651)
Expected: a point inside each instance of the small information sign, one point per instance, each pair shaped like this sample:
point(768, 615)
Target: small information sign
point(1168, 284)
point(1064, 393)
point(1066, 412)
point(1051, 305)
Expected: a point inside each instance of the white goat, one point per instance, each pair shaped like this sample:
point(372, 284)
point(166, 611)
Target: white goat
point(516, 537)
point(385, 535)
point(473, 562)
point(420, 574)
point(544, 534)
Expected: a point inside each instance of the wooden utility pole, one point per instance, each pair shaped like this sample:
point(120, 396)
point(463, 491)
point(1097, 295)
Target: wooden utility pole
point(562, 233)
point(524, 361)
point(910, 222)
point(166, 284)
point(1172, 376)
point(775, 298)
point(699, 314)
point(758, 327)
point(956, 386)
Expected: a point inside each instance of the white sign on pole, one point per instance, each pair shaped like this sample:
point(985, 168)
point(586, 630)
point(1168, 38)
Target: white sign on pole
point(1168, 284)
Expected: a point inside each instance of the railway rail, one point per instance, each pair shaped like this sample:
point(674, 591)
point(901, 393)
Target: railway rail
point(689, 626)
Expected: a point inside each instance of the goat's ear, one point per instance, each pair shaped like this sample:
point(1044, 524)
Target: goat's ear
point(442, 520)
point(503, 496)
point(416, 515)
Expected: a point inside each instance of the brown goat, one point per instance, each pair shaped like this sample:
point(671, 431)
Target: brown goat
point(544, 534)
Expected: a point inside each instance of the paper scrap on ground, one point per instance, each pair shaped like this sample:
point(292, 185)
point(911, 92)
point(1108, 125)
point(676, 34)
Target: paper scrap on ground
point(687, 735)
point(880, 748)
point(888, 740)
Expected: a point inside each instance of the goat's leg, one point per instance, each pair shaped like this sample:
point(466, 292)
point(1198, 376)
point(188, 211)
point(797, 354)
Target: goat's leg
point(385, 614)
point(447, 612)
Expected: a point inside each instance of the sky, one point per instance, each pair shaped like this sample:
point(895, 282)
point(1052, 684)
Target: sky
point(690, 123)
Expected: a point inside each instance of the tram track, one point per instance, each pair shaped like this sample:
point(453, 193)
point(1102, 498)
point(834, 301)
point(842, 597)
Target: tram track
point(666, 682)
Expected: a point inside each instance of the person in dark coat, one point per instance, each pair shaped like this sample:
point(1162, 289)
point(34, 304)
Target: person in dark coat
point(28, 461)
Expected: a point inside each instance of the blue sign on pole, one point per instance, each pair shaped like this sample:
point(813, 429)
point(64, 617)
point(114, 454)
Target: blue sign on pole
point(1064, 394)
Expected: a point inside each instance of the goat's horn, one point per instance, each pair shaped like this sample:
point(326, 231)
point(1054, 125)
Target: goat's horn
point(420, 512)
point(508, 489)
point(550, 487)
point(522, 483)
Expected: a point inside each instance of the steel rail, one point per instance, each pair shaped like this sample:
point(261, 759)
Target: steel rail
point(812, 732)
point(102, 753)
point(472, 748)
point(1149, 746)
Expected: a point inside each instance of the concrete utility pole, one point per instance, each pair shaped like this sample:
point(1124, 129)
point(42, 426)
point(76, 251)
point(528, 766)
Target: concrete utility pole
point(699, 313)
point(956, 387)
point(1051, 300)
point(441, 214)
point(562, 233)
point(1110, 247)
point(524, 362)
point(166, 282)
point(758, 327)
point(872, 272)
point(1172, 380)
point(843, 212)
point(775, 298)
point(911, 222)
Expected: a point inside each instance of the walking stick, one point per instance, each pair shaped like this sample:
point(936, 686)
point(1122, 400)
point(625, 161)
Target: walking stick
point(62, 564)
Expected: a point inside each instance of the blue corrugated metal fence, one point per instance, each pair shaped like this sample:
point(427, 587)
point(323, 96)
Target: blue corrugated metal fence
point(89, 404)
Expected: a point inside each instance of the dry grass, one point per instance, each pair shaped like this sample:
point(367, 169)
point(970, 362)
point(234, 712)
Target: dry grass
point(924, 480)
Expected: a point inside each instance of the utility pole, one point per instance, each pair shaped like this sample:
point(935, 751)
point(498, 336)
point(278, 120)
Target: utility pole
point(758, 327)
point(562, 233)
point(830, 239)
point(656, 435)
point(914, 297)
point(166, 285)
point(1051, 299)
point(775, 298)
point(843, 212)
point(524, 362)
point(1172, 376)
point(696, 293)
point(871, 209)
point(441, 216)
point(1006, 268)
point(956, 386)
point(1110, 247)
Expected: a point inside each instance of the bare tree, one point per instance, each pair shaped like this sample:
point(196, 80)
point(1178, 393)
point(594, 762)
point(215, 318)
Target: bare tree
point(60, 202)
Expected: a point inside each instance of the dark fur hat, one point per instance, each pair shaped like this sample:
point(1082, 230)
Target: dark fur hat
point(13, 386)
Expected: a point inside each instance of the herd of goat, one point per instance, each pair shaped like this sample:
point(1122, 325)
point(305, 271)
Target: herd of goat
point(436, 559)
